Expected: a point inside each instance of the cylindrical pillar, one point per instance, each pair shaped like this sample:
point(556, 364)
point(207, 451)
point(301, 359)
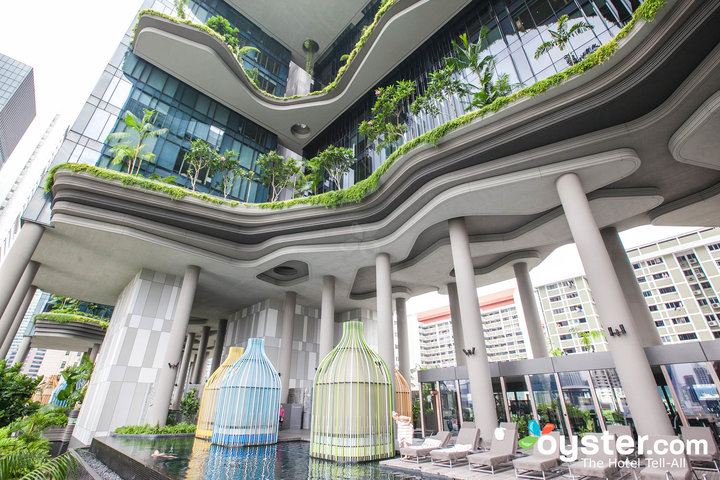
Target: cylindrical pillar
point(631, 364)
point(17, 260)
point(456, 324)
point(284, 361)
point(17, 321)
point(202, 351)
point(184, 367)
point(219, 344)
point(533, 325)
point(13, 306)
point(383, 288)
point(327, 317)
point(22, 350)
point(94, 351)
point(644, 324)
point(402, 332)
point(478, 366)
point(166, 378)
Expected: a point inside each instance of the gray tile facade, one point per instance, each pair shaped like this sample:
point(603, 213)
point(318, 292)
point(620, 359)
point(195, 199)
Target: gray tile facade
point(131, 356)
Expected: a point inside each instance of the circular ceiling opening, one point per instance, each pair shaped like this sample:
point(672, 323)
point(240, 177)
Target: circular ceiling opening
point(300, 130)
point(285, 271)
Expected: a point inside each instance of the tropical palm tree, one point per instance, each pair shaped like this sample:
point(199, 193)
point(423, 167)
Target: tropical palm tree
point(131, 143)
point(562, 35)
point(469, 55)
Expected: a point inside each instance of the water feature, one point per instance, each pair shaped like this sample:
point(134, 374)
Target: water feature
point(198, 459)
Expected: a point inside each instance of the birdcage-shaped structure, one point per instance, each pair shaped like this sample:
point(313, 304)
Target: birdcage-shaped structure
point(248, 401)
point(352, 403)
point(208, 403)
point(403, 401)
point(45, 390)
point(58, 388)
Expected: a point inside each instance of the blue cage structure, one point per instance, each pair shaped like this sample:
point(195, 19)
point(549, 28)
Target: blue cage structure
point(352, 403)
point(248, 401)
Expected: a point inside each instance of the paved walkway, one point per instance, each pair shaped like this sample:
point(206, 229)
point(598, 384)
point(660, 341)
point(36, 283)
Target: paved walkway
point(294, 436)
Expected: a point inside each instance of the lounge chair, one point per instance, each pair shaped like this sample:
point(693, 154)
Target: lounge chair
point(501, 451)
point(539, 465)
point(707, 462)
point(623, 431)
point(467, 440)
point(600, 465)
point(421, 453)
point(668, 466)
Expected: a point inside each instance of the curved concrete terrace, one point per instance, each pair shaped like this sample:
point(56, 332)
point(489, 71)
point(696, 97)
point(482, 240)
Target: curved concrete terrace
point(73, 336)
point(498, 172)
point(206, 63)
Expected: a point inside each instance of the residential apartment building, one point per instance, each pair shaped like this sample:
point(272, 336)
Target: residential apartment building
point(501, 325)
point(680, 281)
point(17, 103)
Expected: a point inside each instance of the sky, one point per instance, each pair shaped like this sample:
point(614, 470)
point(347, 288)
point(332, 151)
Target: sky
point(69, 43)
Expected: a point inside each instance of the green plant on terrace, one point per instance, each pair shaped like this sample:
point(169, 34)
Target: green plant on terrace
point(200, 160)
point(189, 405)
point(442, 85)
point(180, 8)
point(228, 32)
point(561, 37)
point(333, 161)
point(76, 378)
point(16, 391)
point(228, 166)
point(386, 125)
point(130, 144)
point(274, 172)
point(156, 430)
point(586, 338)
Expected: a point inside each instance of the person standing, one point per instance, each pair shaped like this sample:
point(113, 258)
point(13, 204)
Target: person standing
point(404, 429)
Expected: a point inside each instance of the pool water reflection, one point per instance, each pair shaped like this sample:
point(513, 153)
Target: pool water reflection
point(191, 458)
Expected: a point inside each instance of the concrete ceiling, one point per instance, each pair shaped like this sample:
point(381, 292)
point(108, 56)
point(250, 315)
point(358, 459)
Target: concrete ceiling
point(291, 22)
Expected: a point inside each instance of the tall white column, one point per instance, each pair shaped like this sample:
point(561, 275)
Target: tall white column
point(288, 322)
point(327, 317)
point(478, 367)
point(23, 350)
point(181, 317)
point(631, 364)
point(219, 344)
point(402, 332)
point(644, 324)
point(202, 351)
point(182, 372)
point(383, 290)
point(17, 260)
point(94, 351)
point(456, 322)
point(13, 306)
point(17, 321)
point(533, 325)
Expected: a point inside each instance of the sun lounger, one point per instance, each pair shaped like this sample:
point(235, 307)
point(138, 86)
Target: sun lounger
point(421, 453)
point(602, 464)
point(500, 453)
point(539, 465)
point(467, 440)
point(668, 466)
point(707, 462)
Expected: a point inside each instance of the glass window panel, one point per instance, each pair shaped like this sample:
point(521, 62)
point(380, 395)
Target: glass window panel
point(466, 402)
point(695, 389)
point(96, 124)
point(579, 402)
point(448, 404)
point(518, 398)
point(430, 407)
point(610, 396)
point(547, 400)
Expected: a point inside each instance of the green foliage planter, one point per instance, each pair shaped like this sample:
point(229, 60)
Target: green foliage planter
point(181, 429)
point(356, 193)
point(70, 318)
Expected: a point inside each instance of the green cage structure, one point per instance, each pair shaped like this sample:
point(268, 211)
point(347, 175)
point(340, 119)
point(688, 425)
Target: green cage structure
point(206, 414)
point(352, 403)
point(248, 401)
point(403, 402)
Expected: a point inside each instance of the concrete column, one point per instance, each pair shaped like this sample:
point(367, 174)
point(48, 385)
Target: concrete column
point(16, 260)
point(631, 364)
point(17, 321)
point(456, 322)
point(644, 324)
point(202, 351)
point(23, 350)
point(219, 343)
point(182, 370)
point(478, 366)
point(180, 319)
point(94, 351)
point(383, 290)
point(288, 321)
point(402, 331)
point(536, 341)
point(13, 306)
point(327, 317)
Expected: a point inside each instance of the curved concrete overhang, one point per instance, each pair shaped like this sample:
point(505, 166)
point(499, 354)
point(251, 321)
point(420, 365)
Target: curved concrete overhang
point(205, 63)
point(73, 336)
point(613, 132)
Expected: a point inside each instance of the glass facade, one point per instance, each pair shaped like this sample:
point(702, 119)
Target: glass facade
point(516, 29)
point(17, 103)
